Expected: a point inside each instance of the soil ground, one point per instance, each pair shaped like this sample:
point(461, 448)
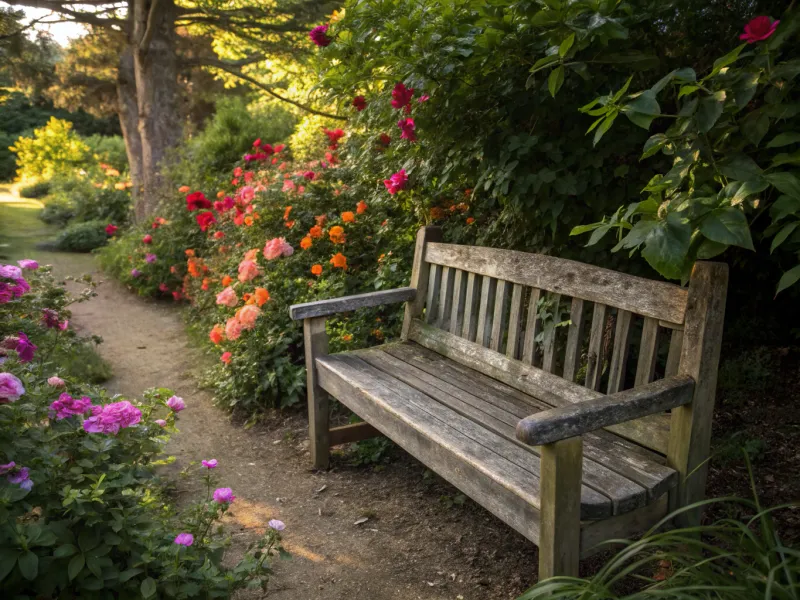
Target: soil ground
point(420, 540)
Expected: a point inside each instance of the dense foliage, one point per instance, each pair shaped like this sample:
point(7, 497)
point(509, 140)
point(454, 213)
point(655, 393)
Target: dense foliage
point(82, 508)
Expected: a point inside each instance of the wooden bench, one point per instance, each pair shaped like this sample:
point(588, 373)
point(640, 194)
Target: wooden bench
point(482, 389)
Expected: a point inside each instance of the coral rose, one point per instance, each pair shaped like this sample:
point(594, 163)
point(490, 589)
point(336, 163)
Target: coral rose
point(227, 297)
point(233, 329)
point(339, 261)
point(348, 217)
point(277, 247)
point(315, 231)
point(217, 334)
point(336, 234)
point(248, 270)
point(361, 207)
point(247, 316)
point(261, 296)
point(316, 270)
point(226, 357)
point(306, 242)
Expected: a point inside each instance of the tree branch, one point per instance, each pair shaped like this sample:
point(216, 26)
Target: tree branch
point(59, 7)
point(144, 43)
point(230, 68)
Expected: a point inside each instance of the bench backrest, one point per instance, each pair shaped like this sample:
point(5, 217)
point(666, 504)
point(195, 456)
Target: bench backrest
point(583, 323)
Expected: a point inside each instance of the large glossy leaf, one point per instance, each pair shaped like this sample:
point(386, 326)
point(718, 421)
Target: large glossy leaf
point(786, 183)
point(148, 587)
point(722, 62)
point(748, 188)
point(784, 139)
point(727, 225)
point(667, 246)
point(28, 565)
point(782, 235)
point(555, 80)
point(788, 279)
point(75, 566)
point(653, 145)
point(755, 127)
point(708, 111)
point(784, 206)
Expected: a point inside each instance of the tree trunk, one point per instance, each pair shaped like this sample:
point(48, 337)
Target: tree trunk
point(128, 112)
point(156, 69)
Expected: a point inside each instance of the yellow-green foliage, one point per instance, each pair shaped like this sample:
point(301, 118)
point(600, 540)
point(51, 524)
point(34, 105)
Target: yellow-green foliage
point(53, 150)
point(307, 142)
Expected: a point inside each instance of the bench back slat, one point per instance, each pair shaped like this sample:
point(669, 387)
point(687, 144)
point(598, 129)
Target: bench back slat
point(470, 327)
point(572, 353)
point(532, 327)
point(459, 299)
point(500, 317)
point(646, 297)
point(648, 352)
point(515, 316)
point(595, 356)
point(674, 355)
point(619, 357)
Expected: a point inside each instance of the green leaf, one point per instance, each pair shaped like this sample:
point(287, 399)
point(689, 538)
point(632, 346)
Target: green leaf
point(786, 159)
point(555, 80)
point(640, 120)
point(781, 236)
point(687, 89)
point(748, 188)
point(581, 229)
point(566, 45)
point(126, 575)
point(740, 167)
point(788, 279)
point(653, 145)
point(709, 249)
point(75, 566)
point(708, 111)
point(755, 127)
point(28, 565)
point(64, 551)
point(686, 74)
point(604, 127)
point(727, 225)
point(786, 183)
point(667, 246)
point(783, 207)
point(598, 234)
point(544, 62)
point(645, 103)
point(87, 539)
point(638, 234)
point(148, 587)
point(745, 89)
point(8, 560)
point(784, 139)
point(722, 62)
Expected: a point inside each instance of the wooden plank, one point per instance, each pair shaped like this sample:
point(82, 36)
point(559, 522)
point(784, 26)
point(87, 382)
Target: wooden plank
point(498, 485)
point(648, 352)
point(641, 466)
point(560, 530)
point(445, 299)
point(419, 276)
point(514, 322)
point(315, 340)
point(638, 295)
point(619, 491)
point(674, 355)
point(621, 527)
point(499, 319)
point(459, 298)
point(569, 421)
point(650, 432)
point(594, 364)
point(432, 303)
point(488, 287)
point(533, 325)
point(619, 356)
point(690, 433)
point(354, 432)
point(572, 356)
point(322, 308)
point(549, 346)
point(470, 328)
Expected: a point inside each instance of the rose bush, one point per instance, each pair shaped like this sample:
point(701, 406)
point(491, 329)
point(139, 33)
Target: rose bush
point(82, 508)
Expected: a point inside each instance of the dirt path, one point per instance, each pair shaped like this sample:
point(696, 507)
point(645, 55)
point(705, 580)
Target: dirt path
point(416, 544)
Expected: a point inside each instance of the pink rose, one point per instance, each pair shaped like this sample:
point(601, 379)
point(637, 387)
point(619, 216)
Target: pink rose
point(396, 182)
point(247, 316)
point(758, 29)
point(176, 403)
point(277, 247)
point(56, 382)
point(233, 329)
point(248, 270)
point(228, 297)
point(11, 388)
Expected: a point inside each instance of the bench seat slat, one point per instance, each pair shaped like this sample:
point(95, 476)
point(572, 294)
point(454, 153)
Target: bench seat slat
point(625, 495)
point(638, 464)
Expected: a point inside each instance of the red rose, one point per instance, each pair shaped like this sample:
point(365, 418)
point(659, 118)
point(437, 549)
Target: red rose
point(205, 220)
point(196, 201)
point(148, 239)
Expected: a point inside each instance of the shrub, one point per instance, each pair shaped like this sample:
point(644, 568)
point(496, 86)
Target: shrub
point(83, 508)
point(57, 211)
point(109, 150)
point(52, 150)
point(35, 190)
point(82, 237)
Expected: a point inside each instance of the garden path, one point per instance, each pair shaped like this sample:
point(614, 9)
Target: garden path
point(417, 542)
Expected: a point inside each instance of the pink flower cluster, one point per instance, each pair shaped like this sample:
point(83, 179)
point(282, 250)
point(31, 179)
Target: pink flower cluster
point(277, 247)
point(110, 418)
point(11, 388)
point(18, 285)
point(396, 182)
point(67, 406)
point(319, 35)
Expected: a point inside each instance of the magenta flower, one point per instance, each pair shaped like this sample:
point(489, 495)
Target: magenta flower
point(176, 403)
point(401, 96)
point(319, 35)
point(7, 467)
point(19, 475)
point(396, 182)
point(6, 292)
point(20, 287)
point(67, 406)
point(277, 525)
point(110, 418)
point(27, 263)
point(111, 229)
point(160, 422)
point(10, 272)
point(210, 464)
point(407, 126)
point(309, 175)
point(758, 29)
point(150, 258)
point(184, 539)
point(136, 273)
point(423, 98)
point(11, 388)
point(224, 495)
point(50, 318)
point(22, 345)
point(56, 382)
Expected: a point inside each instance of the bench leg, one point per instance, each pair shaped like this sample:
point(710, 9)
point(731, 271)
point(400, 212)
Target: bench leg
point(560, 530)
point(316, 344)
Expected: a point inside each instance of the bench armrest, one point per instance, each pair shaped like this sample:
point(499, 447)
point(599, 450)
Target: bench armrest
point(322, 308)
point(557, 424)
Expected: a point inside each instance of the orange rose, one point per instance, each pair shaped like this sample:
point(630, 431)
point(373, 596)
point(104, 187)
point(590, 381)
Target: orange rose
point(470, 220)
point(336, 233)
point(437, 212)
point(289, 224)
point(306, 242)
point(204, 286)
point(261, 296)
point(377, 333)
point(248, 220)
point(189, 252)
point(348, 217)
point(217, 334)
point(339, 261)
point(183, 189)
point(316, 270)
point(315, 231)
point(347, 337)
point(286, 213)
point(221, 194)
point(320, 219)
point(226, 281)
point(361, 207)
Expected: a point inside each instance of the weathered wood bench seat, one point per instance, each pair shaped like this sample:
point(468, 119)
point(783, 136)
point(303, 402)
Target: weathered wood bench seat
point(482, 389)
